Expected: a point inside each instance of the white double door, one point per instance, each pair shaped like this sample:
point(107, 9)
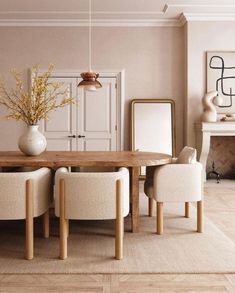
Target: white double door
point(90, 124)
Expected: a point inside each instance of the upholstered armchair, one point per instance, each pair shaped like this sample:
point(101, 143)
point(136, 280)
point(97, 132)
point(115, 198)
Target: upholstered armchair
point(92, 196)
point(25, 195)
point(180, 181)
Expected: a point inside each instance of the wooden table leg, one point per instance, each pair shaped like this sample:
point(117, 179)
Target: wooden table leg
point(130, 189)
point(135, 198)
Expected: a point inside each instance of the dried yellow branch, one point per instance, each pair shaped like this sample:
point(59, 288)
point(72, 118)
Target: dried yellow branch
point(44, 97)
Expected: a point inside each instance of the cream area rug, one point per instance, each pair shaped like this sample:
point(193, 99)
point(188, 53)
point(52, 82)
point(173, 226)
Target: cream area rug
point(91, 247)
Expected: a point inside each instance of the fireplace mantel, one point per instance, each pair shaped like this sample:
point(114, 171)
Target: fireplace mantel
point(204, 131)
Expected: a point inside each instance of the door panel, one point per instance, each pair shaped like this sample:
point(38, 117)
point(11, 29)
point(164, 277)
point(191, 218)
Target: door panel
point(97, 117)
point(62, 122)
point(97, 110)
point(59, 144)
point(96, 145)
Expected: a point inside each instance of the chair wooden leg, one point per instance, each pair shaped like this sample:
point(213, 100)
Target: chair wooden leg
point(200, 216)
point(29, 220)
point(63, 222)
point(119, 221)
point(151, 207)
point(67, 223)
point(46, 224)
point(159, 218)
point(186, 208)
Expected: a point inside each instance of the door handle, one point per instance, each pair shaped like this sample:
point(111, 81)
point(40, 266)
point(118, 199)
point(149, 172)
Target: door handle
point(72, 136)
point(80, 136)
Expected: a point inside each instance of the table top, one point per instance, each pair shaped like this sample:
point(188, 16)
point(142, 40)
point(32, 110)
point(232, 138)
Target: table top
point(70, 159)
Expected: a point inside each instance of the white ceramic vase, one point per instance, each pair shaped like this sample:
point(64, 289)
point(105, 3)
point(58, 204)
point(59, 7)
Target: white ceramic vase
point(32, 142)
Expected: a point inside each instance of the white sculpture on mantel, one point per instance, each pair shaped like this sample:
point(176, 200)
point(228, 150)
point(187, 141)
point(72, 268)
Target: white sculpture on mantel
point(209, 101)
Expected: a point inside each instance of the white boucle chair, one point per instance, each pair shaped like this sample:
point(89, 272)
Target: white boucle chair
point(92, 196)
point(176, 182)
point(25, 195)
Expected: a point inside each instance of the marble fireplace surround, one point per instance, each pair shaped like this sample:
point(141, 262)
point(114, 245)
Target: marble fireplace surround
point(215, 141)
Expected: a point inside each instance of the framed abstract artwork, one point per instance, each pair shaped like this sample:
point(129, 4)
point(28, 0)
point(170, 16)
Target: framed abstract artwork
point(221, 77)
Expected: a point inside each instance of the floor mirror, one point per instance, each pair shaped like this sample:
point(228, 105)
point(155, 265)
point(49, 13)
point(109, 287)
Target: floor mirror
point(153, 126)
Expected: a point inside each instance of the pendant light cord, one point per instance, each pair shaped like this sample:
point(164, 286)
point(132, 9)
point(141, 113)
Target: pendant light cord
point(90, 36)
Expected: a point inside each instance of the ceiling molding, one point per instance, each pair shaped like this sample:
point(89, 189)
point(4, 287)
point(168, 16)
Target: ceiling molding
point(158, 22)
point(95, 22)
point(211, 6)
point(200, 12)
point(169, 15)
point(79, 18)
point(72, 12)
point(182, 19)
point(187, 17)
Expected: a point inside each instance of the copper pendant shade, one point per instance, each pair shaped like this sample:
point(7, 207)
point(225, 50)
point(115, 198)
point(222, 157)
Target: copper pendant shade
point(89, 79)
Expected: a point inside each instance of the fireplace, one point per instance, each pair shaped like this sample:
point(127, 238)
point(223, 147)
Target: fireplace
point(222, 156)
point(216, 143)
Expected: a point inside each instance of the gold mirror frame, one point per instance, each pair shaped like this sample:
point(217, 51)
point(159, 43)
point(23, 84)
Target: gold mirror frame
point(164, 101)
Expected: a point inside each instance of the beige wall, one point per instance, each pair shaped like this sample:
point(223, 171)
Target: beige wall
point(202, 37)
point(159, 62)
point(152, 57)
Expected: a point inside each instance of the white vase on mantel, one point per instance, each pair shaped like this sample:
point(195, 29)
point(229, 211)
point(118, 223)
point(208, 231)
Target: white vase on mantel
point(209, 110)
point(32, 142)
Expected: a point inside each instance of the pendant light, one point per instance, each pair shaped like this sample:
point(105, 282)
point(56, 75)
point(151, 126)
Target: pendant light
point(89, 79)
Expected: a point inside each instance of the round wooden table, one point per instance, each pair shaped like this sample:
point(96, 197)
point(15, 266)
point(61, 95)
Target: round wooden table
point(129, 159)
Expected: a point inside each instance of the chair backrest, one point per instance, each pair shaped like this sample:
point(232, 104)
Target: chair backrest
point(92, 195)
point(188, 155)
point(13, 193)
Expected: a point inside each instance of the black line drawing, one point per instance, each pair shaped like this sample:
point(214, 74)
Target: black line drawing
point(220, 81)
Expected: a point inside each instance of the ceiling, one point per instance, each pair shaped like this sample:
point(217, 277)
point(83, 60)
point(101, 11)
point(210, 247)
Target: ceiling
point(114, 12)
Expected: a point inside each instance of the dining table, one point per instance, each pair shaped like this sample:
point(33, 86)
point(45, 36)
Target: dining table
point(133, 160)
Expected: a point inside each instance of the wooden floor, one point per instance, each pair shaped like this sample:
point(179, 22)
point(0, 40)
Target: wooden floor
point(117, 283)
point(219, 206)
